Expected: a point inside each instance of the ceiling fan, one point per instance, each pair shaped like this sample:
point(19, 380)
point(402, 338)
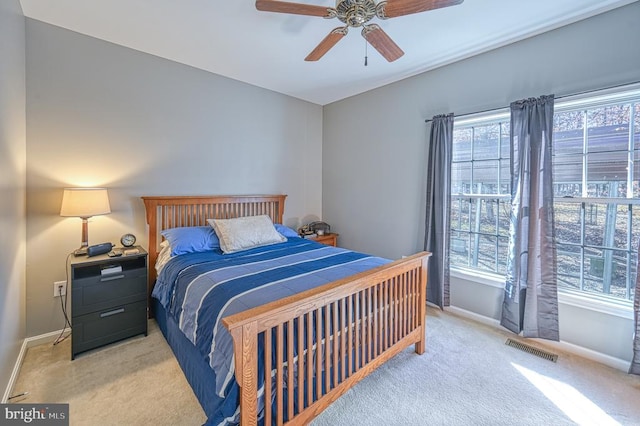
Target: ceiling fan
point(357, 13)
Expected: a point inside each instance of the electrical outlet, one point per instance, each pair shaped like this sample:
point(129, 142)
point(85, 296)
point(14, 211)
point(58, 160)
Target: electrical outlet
point(59, 288)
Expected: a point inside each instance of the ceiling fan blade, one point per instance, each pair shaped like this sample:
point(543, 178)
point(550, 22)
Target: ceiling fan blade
point(327, 43)
point(395, 8)
point(382, 42)
point(294, 8)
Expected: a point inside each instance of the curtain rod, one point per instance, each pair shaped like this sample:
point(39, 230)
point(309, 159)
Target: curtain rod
point(428, 120)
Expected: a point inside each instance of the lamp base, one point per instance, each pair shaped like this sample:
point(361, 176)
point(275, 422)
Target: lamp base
point(82, 251)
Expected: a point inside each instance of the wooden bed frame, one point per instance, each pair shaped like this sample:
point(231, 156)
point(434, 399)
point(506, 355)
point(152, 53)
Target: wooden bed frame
point(368, 318)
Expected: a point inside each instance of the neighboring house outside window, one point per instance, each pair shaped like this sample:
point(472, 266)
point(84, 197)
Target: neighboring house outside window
point(596, 159)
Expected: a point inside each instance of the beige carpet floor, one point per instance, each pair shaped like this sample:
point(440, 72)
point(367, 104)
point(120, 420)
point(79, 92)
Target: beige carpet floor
point(133, 382)
point(467, 376)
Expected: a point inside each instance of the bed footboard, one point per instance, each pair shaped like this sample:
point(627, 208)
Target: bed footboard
point(316, 345)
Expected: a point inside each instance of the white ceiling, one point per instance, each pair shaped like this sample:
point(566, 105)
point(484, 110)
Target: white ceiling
point(233, 39)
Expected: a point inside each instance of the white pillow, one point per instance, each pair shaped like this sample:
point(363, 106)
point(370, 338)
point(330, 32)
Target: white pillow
point(245, 232)
point(163, 256)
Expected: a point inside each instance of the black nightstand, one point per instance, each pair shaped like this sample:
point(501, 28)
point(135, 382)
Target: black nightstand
point(108, 299)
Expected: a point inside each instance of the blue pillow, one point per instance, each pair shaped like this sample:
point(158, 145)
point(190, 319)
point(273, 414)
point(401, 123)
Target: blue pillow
point(191, 239)
point(285, 231)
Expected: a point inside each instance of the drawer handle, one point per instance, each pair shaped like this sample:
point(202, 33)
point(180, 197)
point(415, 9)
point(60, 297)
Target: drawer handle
point(115, 277)
point(114, 312)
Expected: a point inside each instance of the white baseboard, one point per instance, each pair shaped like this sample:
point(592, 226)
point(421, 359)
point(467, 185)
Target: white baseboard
point(44, 338)
point(26, 344)
point(608, 360)
point(14, 372)
point(472, 315)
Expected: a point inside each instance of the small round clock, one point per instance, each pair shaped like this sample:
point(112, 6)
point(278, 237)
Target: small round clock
point(128, 240)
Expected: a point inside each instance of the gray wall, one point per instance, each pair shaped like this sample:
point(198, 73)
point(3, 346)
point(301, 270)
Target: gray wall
point(373, 171)
point(103, 115)
point(12, 185)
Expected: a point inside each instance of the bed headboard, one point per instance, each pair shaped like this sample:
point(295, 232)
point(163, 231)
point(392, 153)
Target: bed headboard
point(164, 212)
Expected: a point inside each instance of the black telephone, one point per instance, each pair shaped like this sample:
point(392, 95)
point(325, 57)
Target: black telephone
point(314, 227)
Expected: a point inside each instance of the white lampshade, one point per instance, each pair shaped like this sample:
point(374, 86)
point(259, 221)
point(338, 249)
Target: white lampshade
point(85, 202)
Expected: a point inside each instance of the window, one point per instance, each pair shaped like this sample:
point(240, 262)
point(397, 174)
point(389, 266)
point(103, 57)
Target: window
point(480, 194)
point(596, 162)
point(596, 166)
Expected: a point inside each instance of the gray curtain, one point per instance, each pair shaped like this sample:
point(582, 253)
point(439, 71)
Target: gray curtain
point(635, 362)
point(531, 294)
point(438, 206)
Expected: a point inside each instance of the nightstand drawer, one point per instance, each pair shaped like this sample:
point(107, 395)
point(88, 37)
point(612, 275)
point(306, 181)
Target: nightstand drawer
point(92, 294)
point(107, 326)
point(93, 266)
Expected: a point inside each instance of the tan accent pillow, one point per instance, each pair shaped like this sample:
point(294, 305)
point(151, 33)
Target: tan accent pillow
point(245, 232)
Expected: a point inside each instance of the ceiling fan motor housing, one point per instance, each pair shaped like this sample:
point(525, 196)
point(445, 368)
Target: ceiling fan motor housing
point(356, 13)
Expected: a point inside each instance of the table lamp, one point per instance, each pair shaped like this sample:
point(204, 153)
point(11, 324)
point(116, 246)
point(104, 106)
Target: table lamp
point(84, 203)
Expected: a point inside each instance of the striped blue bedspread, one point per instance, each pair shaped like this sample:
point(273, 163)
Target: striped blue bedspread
point(199, 289)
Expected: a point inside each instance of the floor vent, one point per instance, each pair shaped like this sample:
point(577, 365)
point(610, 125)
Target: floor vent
point(532, 350)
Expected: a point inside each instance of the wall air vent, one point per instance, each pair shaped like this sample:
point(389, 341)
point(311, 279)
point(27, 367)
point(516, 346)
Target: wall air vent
point(532, 350)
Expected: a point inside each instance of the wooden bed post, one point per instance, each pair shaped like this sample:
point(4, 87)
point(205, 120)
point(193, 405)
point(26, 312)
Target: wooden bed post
point(245, 342)
point(421, 344)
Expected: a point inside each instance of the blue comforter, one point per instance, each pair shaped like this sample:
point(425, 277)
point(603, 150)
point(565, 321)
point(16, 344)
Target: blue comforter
point(199, 289)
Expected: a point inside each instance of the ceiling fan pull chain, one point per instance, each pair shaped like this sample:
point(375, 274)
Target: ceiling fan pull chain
point(365, 52)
